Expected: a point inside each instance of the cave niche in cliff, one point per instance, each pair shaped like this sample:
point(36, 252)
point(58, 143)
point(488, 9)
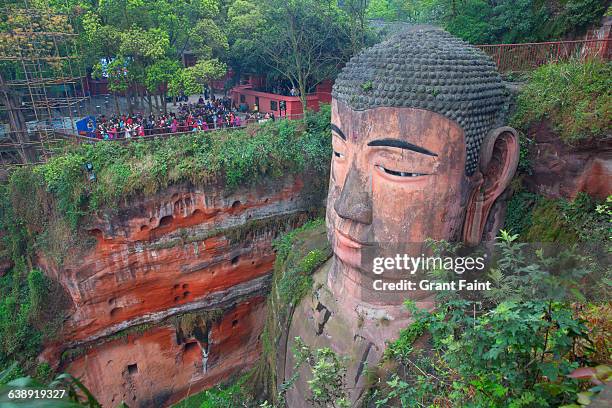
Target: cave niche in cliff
point(195, 325)
point(114, 311)
point(166, 220)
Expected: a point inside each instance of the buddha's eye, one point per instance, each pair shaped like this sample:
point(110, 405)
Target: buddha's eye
point(400, 173)
point(338, 154)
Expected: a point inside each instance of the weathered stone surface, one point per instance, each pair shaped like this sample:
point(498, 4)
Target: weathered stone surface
point(563, 171)
point(357, 334)
point(158, 367)
point(173, 249)
point(157, 259)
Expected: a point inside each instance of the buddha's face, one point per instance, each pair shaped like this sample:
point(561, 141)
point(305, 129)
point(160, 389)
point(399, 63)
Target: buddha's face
point(397, 177)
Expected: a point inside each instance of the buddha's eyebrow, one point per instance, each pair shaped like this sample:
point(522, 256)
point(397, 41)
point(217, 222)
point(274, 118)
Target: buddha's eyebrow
point(402, 145)
point(338, 131)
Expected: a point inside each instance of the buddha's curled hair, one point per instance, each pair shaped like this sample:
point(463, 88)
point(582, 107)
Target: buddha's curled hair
point(426, 67)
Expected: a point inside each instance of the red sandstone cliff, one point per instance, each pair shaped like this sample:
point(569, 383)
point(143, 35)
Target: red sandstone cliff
point(169, 299)
point(563, 171)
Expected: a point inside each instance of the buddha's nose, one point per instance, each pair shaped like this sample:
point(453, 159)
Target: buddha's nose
point(355, 201)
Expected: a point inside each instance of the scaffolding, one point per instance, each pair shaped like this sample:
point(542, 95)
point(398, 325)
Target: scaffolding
point(42, 88)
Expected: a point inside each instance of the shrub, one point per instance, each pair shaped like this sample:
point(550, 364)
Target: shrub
point(232, 157)
point(539, 219)
point(229, 395)
point(574, 96)
point(20, 304)
point(516, 352)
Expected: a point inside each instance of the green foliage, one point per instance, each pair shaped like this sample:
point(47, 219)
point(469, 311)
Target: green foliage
point(328, 383)
point(538, 219)
point(515, 348)
point(296, 280)
point(44, 373)
point(76, 394)
point(302, 42)
point(222, 396)
point(399, 10)
point(22, 297)
point(574, 97)
point(576, 16)
point(503, 21)
point(366, 86)
point(482, 22)
point(298, 254)
point(144, 41)
point(205, 71)
point(519, 211)
point(43, 203)
point(401, 349)
point(161, 73)
point(41, 206)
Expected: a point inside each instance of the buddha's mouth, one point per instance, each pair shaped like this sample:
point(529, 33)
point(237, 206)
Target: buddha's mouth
point(348, 241)
point(348, 249)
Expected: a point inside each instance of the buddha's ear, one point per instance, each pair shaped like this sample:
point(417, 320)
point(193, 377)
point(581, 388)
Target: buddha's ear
point(499, 157)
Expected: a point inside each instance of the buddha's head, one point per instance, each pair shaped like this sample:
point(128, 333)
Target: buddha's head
point(420, 150)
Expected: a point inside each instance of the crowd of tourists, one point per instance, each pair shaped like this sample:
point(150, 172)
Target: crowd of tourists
point(260, 117)
point(189, 117)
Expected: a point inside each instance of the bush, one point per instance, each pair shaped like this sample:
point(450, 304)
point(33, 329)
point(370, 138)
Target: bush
point(574, 97)
point(539, 219)
point(517, 351)
point(22, 296)
point(232, 157)
point(222, 396)
point(41, 206)
point(500, 21)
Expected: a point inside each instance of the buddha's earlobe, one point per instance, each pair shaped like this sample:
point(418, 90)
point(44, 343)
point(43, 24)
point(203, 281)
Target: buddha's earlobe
point(499, 157)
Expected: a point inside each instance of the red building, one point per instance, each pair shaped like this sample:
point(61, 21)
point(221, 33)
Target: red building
point(271, 103)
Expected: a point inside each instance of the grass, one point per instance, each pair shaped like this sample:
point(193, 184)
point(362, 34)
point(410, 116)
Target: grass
point(575, 97)
point(231, 395)
point(539, 219)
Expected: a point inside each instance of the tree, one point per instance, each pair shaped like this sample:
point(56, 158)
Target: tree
point(183, 81)
point(304, 41)
point(356, 11)
point(150, 37)
point(159, 75)
point(246, 26)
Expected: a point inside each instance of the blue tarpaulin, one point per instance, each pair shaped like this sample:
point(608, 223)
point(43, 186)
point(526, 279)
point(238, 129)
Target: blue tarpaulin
point(87, 126)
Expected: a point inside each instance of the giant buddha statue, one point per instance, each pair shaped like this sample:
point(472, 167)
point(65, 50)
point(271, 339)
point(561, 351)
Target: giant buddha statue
point(420, 151)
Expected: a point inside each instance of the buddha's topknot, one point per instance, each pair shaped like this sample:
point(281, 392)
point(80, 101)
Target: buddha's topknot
point(427, 68)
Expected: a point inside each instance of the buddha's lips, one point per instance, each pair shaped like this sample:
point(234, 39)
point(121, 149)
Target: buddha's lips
point(348, 250)
point(348, 241)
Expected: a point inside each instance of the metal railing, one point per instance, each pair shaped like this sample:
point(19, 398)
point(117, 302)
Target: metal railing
point(528, 56)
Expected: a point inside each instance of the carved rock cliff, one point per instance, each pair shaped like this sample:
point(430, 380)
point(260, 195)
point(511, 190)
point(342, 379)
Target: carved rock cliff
point(169, 297)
